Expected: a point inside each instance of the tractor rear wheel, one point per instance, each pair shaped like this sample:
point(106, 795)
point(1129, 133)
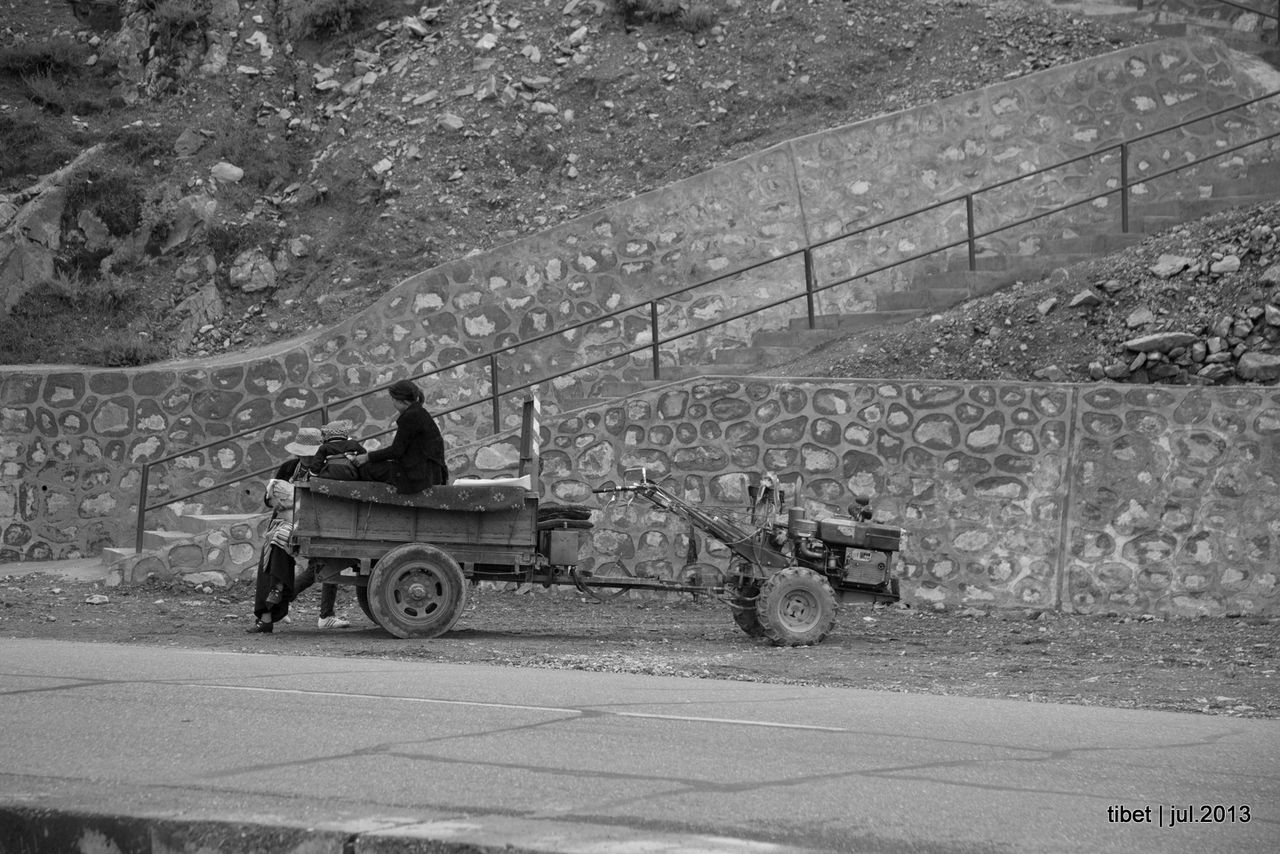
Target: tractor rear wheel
point(417, 591)
point(796, 607)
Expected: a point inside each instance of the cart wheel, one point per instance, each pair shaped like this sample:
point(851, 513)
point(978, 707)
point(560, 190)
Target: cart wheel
point(742, 601)
point(362, 596)
point(416, 591)
point(796, 607)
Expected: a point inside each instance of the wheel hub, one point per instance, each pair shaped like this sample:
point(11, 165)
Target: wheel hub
point(800, 610)
point(415, 593)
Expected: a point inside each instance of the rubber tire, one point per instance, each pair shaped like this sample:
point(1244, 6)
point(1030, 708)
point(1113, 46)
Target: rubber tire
point(797, 607)
point(417, 591)
point(743, 604)
point(362, 596)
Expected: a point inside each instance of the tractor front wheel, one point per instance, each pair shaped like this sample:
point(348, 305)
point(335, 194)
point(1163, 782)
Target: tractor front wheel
point(796, 607)
point(742, 601)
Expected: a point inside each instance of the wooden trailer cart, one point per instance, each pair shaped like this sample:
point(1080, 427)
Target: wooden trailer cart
point(412, 558)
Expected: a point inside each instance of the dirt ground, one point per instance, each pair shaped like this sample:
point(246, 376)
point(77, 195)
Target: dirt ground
point(1221, 666)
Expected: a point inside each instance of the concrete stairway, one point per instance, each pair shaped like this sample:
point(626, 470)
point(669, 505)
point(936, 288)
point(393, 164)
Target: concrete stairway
point(1236, 27)
point(935, 291)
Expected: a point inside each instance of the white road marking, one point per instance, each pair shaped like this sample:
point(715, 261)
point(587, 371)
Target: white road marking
point(526, 708)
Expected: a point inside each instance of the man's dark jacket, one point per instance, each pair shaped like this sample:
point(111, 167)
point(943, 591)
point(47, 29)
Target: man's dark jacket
point(417, 449)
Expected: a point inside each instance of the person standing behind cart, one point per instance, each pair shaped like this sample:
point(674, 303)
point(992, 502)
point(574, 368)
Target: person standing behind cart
point(336, 441)
point(415, 458)
point(274, 587)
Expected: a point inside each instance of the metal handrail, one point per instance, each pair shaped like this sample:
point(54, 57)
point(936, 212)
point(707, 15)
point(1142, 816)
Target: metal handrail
point(1245, 8)
point(656, 340)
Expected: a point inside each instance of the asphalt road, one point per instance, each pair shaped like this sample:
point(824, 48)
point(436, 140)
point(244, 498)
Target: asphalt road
point(572, 761)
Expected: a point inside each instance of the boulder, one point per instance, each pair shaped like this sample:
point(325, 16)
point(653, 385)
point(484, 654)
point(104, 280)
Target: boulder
point(252, 271)
point(190, 214)
point(1160, 342)
point(1168, 266)
point(227, 173)
point(1259, 367)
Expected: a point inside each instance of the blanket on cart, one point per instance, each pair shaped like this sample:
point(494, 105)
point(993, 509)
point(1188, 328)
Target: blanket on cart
point(461, 495)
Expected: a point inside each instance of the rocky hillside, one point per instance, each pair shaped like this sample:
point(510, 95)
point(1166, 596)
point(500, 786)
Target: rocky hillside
point(244, 171)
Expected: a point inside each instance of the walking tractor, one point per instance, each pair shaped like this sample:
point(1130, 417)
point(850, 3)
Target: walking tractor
point(412, 558)
point(785, 577)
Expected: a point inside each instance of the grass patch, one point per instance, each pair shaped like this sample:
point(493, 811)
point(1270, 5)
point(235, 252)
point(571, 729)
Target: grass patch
point(77, 319)
point(269, 160)
point(319, 19)
point(102, 295)
point(115, 197)
point(29, 146)
point(694, 16)
point(227, 240)
point(131, 350)
point(176, 20)
point(141, 144)
point(59, 55)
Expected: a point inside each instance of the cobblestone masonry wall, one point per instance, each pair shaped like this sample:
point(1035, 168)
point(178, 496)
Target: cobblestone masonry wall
point(1084, 498)
point(1088, 498)
point(71, 441)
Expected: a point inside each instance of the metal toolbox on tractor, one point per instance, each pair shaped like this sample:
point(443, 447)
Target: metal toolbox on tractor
point(842, 531)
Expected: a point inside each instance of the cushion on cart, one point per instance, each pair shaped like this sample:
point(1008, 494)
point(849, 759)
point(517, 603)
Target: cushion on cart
point(460, 496)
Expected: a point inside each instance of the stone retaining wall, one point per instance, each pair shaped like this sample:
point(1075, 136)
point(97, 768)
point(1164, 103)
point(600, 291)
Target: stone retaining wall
point(1085, 498)
point(72, 440)
point(1091, 499)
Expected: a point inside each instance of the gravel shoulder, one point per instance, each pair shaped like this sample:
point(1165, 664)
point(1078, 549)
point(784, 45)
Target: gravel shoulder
point(1203, 666)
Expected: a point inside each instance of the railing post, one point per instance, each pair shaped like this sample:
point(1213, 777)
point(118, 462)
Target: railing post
point(1124, 187)
point(809, 284)
point(973, 244)
point(493, 392)
point(653, 340)
point(142, 508)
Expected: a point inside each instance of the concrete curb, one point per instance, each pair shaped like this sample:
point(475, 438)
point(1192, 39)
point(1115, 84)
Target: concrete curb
point(45, 830)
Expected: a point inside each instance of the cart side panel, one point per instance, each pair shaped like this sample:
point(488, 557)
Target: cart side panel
point(326, 516)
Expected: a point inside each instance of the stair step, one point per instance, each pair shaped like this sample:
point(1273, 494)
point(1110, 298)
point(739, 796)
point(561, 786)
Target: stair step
point(1189, 209)
point(575, 403)
point(973, 281)
point(1155, 224)
point(757, 356)
point(920, 301)
point(111, 554)
point(671, 373)
point(199, 523)
point(1025, 264)
point(847, 323)
point(801, 338)
point(161, 539)
point(1096, 244)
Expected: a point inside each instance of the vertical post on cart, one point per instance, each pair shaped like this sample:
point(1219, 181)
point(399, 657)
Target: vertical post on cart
point(530, 421)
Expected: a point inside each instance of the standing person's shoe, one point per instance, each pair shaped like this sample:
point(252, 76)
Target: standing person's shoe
point(260, 627)
point(333, 623)
point(274, 595)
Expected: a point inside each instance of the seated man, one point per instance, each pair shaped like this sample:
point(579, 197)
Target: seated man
point(415, 459)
